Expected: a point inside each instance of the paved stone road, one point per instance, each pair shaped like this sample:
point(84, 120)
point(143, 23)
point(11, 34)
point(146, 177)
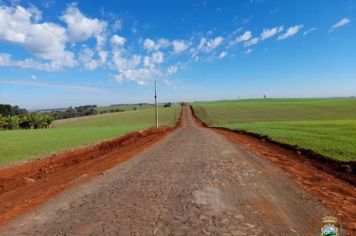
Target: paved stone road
point(195, 182)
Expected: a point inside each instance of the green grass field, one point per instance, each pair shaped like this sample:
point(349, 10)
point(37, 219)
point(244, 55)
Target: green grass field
point(17, 145)
point(327, 126)
point(126, 107)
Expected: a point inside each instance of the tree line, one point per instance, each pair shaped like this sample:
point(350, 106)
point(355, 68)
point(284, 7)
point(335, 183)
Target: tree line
point(71, 112)
point(13, 117)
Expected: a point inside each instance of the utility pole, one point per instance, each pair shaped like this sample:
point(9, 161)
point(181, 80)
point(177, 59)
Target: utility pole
point(156, 108)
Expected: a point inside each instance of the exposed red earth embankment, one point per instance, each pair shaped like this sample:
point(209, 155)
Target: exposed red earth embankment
point(25, 185)
point(333, 186)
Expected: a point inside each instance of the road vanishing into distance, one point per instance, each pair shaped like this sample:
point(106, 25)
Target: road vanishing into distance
point(193, 182)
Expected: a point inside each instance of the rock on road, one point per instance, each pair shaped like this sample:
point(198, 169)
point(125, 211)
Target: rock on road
point(194, 182)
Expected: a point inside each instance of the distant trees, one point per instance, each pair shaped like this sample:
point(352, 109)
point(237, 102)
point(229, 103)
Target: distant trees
point(169, 104)
point(13, 117)
point(8, 110)
point(71, 112)
point(111, 111)
point(32, 121)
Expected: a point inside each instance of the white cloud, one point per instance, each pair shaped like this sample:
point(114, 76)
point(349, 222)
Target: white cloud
point(268, 33)
point(202, 43)
point(81, 28)
point(29, 63)
point(117, 25)
point(210, 45)
point(20, 26)
point(248, 51)
point(340, 23)
point(121, 63)
point(136, 69)
point(103, 55)
point(157, 57)
point(153, 60)
point(163, 43)
point(86, 57)
point(151, 45)
point(172, 70)
point(179, 46)
point(140, 76)
point(290, 32)
point(223, 54)
point(309, 31)
point(242, 38)
point(117, 40)
point(251, 42)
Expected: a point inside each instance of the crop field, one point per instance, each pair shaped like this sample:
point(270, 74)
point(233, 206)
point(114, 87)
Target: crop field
point(327, 126)
point(126, 107)
point(17, 145)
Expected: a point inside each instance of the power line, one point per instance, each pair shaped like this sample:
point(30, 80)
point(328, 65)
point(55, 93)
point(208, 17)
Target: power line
point(27, 15)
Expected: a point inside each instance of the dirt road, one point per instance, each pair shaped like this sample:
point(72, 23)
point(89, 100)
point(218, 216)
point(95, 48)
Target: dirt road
point(195, 182)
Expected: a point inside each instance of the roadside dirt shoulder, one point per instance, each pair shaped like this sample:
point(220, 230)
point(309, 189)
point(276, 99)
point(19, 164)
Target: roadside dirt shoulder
point(334, 192)
point(26, 185)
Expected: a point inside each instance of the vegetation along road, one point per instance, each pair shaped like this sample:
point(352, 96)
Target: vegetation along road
point(327, 126)
point(18, 145)
point(193, 182)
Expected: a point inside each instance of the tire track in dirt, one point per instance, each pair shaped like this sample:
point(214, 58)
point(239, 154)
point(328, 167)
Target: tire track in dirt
point(195, 182)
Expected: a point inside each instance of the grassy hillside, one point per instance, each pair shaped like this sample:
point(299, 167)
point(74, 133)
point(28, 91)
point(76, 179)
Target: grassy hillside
point(327, 126)
point(144, 117)
point(126, 107)
point(24, 144)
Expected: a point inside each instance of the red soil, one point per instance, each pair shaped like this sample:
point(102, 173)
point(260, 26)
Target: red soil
point(335, 193)
point(26, 185)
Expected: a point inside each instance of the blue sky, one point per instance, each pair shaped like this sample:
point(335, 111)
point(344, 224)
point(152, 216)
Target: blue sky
point(64, 53)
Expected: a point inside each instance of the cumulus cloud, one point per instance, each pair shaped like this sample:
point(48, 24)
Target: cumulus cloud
point(153, 60)
point(21, 26)
point(223, 54)
point(81, 28)
point(340, 23)
point(140, 76)
point(290, 32)
point(268, 33)
point(117, 40)
point(172, 70)
point(86, 57)
point(29, 63)
point(242, 38)
point(251, 42)
point(136, 68)
point(179, 46)
point(210, 45)
point(117, 25)
point(103, 55)
point(151, 45)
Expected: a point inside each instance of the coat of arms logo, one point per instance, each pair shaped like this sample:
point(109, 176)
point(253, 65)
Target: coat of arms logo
point(330, 227)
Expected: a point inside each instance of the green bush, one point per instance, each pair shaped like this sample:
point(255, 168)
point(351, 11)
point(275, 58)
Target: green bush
point(32, 121)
